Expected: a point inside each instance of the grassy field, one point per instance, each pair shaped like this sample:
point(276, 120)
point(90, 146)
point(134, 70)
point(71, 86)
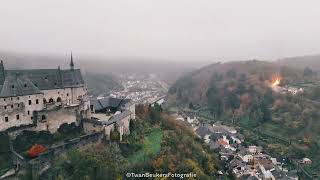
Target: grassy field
point(151, 146)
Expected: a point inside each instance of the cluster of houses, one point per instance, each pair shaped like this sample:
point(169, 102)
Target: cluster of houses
point(189, 117)
point(243, 162)
point(288, 89)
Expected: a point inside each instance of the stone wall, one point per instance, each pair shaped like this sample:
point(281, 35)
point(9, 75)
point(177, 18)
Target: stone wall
point(27, 110)
point(18, 111)
point(52, 120)
point(43, 162)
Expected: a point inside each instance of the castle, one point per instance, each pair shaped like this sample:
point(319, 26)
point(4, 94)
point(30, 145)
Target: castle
point(42, 99)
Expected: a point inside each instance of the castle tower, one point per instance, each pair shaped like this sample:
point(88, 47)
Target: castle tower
point(2, 73)
point(71, 63)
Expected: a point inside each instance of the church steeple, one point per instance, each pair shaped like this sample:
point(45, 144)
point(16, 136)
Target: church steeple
point(71, 63)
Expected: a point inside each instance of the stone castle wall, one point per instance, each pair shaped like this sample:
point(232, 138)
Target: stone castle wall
point(27, 110)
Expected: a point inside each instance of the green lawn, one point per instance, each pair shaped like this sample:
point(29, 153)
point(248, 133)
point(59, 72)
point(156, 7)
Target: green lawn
point(151, 146)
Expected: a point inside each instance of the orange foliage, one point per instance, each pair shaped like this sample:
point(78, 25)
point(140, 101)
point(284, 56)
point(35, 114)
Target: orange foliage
point(36, 150)
point(245, 99)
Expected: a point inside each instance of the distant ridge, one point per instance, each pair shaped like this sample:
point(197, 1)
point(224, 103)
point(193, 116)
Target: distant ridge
point(311, 61)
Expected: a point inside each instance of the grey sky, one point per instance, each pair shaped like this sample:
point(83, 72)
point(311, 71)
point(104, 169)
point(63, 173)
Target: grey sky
point(170, 29)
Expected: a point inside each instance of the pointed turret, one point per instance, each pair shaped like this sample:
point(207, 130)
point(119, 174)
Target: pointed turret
point(2, 73)
point(71, 63)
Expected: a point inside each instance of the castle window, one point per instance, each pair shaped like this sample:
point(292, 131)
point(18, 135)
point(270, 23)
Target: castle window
point(25, 85)
point(30, 102)
point(18, 98)
point(12, 106)
point(18, 105)
point(59, 99)
point(12, 86)
point(50, 100)
point(55, 84)
point(46, 77)
point(6, 119)
point(31, 117)
point(18, 116)
point(28, 112)
point(44, 101)
point(67, 94)
point(43, 117)
point(4, 99)
point(37, 101)
point(5, 107)
point(11, 99)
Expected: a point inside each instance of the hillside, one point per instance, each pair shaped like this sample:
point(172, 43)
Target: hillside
point(312, 62)
point(242, 93)
point(194, 86)
point(157, 144)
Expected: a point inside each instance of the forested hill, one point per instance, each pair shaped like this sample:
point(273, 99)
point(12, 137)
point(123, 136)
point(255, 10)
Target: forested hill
point(237, 77)
point(241, 93)
point(312, 62)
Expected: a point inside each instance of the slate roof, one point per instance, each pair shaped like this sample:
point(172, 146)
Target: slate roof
point(109, 102)
point(114, 119)
point(18, 86)
point(27, 82)
point(120, 116)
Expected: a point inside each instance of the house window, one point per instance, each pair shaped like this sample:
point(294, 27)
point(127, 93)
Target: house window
point(37, 101)
point(31, 117)
point(6, 119)
point(43, 117)
point(5, 107)
point(12, 86)
point(28, 112)
point(25, 85)
point(29, 102)
point(67, 94)
point(18, 105)
point(12, 106)
point(11, 99)
point(4, 99)
point(18, 98)
point(18, 116)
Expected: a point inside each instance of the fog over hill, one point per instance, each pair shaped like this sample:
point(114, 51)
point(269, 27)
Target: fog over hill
point(165, 69)
point(311, 61)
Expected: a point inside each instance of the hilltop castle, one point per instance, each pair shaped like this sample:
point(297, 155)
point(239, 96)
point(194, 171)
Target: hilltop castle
point(42, 99)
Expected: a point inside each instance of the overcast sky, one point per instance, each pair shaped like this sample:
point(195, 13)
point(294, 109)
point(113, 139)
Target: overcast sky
point(162, 29)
